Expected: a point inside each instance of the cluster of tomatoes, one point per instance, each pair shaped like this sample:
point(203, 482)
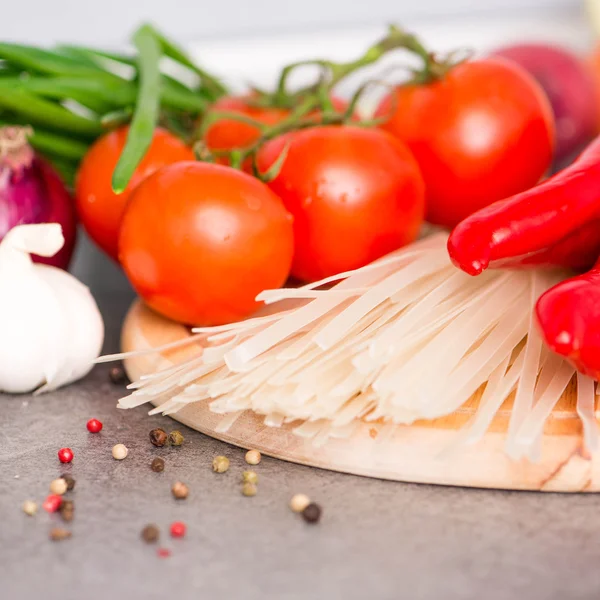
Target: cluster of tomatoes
point(199, 241)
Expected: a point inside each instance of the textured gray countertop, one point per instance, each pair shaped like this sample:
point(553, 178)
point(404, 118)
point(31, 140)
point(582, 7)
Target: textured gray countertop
point(377, 539)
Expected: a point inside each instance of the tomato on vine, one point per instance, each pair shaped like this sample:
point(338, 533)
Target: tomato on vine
point(481, 131)
point(100, 209)
point(355, 193)
point(199, 241)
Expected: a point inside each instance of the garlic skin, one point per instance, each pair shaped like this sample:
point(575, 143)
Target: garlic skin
point(51, 328)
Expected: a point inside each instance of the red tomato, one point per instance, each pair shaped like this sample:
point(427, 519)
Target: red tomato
point(227, 134)
point(356, 194)
point(200, 241)
point(99, 208)
point(482, 133)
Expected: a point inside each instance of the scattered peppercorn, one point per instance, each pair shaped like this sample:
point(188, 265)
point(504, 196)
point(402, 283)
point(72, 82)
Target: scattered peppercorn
point(58, 534)
point(249, 489)
point(178, 529)
point(312, 513)
point(249, 477)
point(158, 465)
point(67, 510)
point(30, 507)
point(220, 464)
point(253, 457)
point(180, 490)
point(120, 451)
point(58, 486)
point(52, 503)
point(158, 437)
point(94, 426)
point(163, 552)
point(150, 534)
point(117, 375)
point(70, 481)
point(65, 455)
point(176, 438)
point(299, 502)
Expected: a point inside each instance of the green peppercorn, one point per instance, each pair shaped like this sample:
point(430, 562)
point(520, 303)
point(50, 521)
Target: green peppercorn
point(175, 438)
point(249, 477)
point(249, 489)
point(220, 464)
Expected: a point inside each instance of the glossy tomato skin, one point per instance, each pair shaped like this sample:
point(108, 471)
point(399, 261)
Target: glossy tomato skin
point(199, 241)
point(227, 134)
point(482, 133)
point(99, 208)
point(355, 193)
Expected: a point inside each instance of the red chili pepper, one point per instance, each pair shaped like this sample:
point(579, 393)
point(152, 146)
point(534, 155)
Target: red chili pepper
point(569, 318)
point(555, 223)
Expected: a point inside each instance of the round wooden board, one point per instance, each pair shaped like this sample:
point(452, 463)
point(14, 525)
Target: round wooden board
point(402, 453)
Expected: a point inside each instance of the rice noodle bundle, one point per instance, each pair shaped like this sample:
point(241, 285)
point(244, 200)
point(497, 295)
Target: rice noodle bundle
point(408, 337)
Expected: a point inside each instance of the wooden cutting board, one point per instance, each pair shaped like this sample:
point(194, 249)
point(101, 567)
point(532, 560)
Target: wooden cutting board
point(412, 453)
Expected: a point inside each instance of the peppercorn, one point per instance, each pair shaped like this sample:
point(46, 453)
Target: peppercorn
point(67, 510)
point(220, 464)
point(150, 534)
point(117, 375)
point(249, 489)
point(58, 534)
point(70, 481)
point(299, 502)
point(65, 455)
point(180, 490)
point(176, 438)
point(178, 529)
point(163, 552)
point(94, 426)
point(58, 486)
point(312, 513)
point(158, 437)
point(120, 451)
point(253, 457)
point(30, 507)
point(158, 465)
point(249, 477)
point(52, 503)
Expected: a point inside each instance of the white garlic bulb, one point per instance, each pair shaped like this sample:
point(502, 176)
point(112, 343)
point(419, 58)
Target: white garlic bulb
point(50, 326)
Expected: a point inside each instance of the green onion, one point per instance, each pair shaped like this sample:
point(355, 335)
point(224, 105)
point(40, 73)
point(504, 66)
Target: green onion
point(146, 111)
point(41, 111)
point(177, 54)
point(57, 145)
point(41, 61)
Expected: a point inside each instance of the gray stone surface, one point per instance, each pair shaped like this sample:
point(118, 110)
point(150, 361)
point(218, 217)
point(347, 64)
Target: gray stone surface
point(377, 540)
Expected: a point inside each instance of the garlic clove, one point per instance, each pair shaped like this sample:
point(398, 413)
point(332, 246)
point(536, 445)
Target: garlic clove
point(84, 327)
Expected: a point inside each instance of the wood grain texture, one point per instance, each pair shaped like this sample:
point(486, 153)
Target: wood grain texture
point(416, 453)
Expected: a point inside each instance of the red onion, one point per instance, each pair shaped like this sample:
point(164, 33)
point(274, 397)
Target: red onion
point(32, 192)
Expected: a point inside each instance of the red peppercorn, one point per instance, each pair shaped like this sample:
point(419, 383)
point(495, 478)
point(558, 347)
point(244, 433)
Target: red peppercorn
point(65, 455)
point(94, 426)
point(177, 529)
point(163, 552)
point(52, 503)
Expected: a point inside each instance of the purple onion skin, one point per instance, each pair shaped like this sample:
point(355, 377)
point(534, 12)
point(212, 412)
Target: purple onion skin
point(34, 193)
point(570, 88)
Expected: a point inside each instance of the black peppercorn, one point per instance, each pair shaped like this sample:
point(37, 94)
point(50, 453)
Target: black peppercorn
point(150, 534)
point(69, 481)
point(312, 513)
point(158, 465)
point(67, 510)
point(158, 437)
point(117, 375)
